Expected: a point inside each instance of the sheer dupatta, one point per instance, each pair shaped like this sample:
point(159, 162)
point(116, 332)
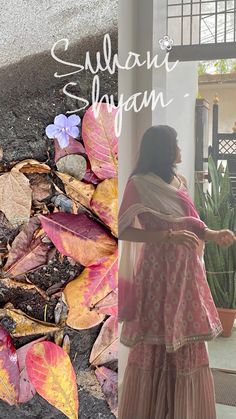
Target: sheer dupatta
point(148, 193)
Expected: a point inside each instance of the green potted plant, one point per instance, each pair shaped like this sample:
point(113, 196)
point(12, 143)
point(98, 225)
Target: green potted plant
point(217, 210)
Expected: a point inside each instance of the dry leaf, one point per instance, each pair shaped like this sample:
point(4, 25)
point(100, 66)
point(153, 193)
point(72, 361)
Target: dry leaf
point(28, 252)
point(109, 304)
point(79, 237)
point(32, 166)
point(105, 203)
point(75, 189)
point(100, 141)
point(82, 294)
point(74, 147)
point(73, 165)
point(9, 371)
point(105, 348)
point(51, 372)
point(40, 185)
point(108, 380)
point(27, 390)
point(19, 324)
point(11, 284)
point(15, 197)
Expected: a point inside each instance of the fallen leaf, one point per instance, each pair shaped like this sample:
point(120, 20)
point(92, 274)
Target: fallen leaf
point(77, 190)
point(109, 304)
point(9, 371)
point(74, 147)
point(90, 176)
point(79, 237)
point(32, 166)
point(105, 348)
point(27, 390)
point(51, 372)
point(19, 324)
point(74, 165)
point(27, 253)
point(82, 294)
point(10, 284)
point(15, 197)
point(40, 185)
point(105, 203)
point(108, 380)
point(100, 141)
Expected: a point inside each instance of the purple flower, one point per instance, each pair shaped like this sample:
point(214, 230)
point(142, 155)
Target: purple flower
point(63, 128)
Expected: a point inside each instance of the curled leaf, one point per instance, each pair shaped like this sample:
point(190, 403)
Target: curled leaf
point(19, 324)
point(79, 237)
point(32, 166)
point(9, 370)
point(105, 348)
point(82, 294)
point(100, 141)
point(51, 372)
point(105, 203)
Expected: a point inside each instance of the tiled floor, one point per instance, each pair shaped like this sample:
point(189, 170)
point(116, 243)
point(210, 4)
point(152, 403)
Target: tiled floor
point(222, 354)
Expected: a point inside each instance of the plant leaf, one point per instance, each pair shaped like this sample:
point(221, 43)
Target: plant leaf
point(108, 380)
point(105, 203)
point(9, 371)
point(77, 190)
point(90, 287)
point(27, 390)
point(32, 166)
point(15, 197)
point(109, 304)
point(51, 372)
point(74, 147)
point(105, 348)
point(100, 141)
point(19, 324)
point(79, 237)
point(10, 284)
point(73, 165)
point(27, 252)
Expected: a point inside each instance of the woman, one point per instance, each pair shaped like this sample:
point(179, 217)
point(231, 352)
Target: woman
point(164, 299)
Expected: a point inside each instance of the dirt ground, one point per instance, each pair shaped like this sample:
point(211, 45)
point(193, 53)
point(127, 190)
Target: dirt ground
point(22, 135)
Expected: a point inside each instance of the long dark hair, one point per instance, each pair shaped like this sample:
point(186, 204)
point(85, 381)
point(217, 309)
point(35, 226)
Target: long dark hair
point(158, 152)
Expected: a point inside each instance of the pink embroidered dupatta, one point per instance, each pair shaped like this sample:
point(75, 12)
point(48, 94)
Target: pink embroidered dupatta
point(148, 193)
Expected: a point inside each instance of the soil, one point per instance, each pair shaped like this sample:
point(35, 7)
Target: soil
point(24, 114)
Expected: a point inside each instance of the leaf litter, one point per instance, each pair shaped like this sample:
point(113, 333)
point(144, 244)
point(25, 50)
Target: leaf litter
point(58, 240)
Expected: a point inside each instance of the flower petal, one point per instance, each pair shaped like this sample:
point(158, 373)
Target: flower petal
point(63, 139)
point(61, 121)
point(73, 131)
point(52, 131)
point(73, 120)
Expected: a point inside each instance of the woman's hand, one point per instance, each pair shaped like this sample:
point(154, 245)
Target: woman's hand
point(224, 237)
point(187, 238)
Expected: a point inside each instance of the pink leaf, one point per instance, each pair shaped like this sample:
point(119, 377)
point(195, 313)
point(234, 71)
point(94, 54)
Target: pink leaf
point(100, 141)
point(27, 390)
point(79, 237)
point(74, 147)
point(9, 370)
point(108, 380)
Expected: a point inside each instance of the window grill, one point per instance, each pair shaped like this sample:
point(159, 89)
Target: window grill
point(202, 29)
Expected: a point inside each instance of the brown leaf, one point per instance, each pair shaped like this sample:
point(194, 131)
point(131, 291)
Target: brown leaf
point(7, 231)
point(27, 252)
point(40, 185)
point(11, 284)
point(75, 189)
point(15, 197)
point(105, 348)
point(19, 324)
point(32, 166)
point(73, 165)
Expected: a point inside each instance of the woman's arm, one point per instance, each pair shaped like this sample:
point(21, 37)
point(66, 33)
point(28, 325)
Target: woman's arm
point(223, 237)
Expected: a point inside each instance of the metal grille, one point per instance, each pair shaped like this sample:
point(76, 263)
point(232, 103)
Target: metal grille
point(227, 147)
point(192, 23)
